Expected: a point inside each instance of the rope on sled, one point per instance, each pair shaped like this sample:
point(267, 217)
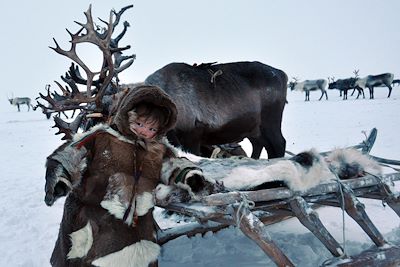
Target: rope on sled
point(328, 261)
point(244, 204)
point(384, 200)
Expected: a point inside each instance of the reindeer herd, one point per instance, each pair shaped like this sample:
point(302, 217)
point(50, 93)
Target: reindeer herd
point(344, 85)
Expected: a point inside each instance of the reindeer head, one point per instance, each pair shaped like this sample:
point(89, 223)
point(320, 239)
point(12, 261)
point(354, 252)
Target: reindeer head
point(10, 99)
point(293, 83)
point(332, 83)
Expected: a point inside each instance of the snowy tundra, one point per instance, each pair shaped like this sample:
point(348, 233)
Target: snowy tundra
point(29, 227)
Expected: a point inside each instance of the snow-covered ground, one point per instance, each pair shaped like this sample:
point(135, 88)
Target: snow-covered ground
point(29, 228)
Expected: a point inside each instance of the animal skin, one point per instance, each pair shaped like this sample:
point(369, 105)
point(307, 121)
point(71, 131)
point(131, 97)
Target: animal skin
point(299, 173)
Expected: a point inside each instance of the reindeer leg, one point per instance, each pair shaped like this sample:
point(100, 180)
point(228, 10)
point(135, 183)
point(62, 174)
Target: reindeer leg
point(173, 139)
point(361, 91)
point(191, 142)
point(371, 92)
point(321, 96)
point(271, 133)
point(390, 90)
point(18, 108)
point(257, 145)
point(153, 264)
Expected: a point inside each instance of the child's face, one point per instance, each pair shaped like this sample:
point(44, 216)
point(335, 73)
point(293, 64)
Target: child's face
point(144, 128)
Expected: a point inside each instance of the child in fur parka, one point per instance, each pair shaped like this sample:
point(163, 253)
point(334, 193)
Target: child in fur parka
point(109, 174)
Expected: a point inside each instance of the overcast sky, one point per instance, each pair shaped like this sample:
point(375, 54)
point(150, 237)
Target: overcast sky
point(306, 39)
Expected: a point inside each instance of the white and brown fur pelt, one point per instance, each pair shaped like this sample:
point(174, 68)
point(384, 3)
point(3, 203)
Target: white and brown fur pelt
point(351, 163)
point(107, 218)
point(299, 173)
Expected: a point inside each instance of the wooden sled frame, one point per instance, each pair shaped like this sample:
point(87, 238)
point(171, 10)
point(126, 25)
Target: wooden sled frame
point(238, 208)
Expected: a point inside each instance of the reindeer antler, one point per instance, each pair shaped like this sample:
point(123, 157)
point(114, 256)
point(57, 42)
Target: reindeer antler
point(295, 79)
point(68, 129)
point(90, 100)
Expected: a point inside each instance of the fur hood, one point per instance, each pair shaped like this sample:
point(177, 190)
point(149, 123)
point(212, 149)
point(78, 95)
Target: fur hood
point(136, 95)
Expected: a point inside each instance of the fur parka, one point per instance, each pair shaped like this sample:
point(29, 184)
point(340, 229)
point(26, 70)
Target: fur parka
point(109, 175)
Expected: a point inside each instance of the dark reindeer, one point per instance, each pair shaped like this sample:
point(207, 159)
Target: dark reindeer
point(309, 85)
point(343, 85)
point(18, 101)
point(371, 81)
point(396, 82)
point(225, 103)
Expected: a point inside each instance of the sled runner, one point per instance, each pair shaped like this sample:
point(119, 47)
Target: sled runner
point(251, 210)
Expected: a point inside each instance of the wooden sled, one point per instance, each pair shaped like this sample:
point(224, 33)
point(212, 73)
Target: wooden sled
point(239, 208)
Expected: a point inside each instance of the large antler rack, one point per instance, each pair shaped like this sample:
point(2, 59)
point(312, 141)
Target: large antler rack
point(90, 100)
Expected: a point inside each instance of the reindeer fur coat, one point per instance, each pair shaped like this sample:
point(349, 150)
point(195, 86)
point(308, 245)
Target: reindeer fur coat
point(109, 175)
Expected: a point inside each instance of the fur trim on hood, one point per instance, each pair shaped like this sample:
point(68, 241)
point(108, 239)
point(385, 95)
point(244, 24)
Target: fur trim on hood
point(144, 93)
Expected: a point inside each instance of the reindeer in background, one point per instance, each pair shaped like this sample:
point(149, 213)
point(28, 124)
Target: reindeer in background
point(396, 82)
point(18, 101)
point(343, 85)
point(371, 81)
point(309, 85)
